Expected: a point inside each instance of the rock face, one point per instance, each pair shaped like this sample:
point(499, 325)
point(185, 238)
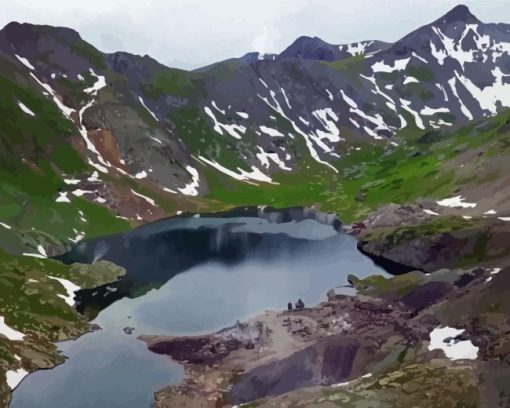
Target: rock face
point(404, 237)
point(210, 349)
point(378, 341)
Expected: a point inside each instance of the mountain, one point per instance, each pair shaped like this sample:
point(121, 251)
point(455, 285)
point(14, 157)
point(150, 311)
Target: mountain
point(108, 123)
point(317, 49)
point(126, 133)
point(93, 143)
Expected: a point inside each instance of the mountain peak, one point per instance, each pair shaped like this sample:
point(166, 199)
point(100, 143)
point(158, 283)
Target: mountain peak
point(458, 13)
point(310, 48)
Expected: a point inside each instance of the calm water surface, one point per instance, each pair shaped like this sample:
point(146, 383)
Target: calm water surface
point(186, 276)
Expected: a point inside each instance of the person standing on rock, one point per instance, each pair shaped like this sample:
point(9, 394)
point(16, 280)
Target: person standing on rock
point(289, 306)
point(300, 304)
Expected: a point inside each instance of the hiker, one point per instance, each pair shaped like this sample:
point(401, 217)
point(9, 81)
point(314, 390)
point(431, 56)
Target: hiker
point(300, 304)
point(289, 306)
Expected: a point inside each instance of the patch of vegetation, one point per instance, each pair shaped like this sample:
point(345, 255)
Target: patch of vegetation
point(421, 73)
point(89, 52)
point(394, 288)
point(418, 89)
point(175, 82)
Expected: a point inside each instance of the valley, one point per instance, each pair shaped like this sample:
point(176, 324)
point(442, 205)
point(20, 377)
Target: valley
point(406, 143)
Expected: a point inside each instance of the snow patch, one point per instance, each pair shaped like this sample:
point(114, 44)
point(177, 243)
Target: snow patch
point(331, 133)
point(452, 82)
point(62, 197)
point(9, 332)
point(410, 80)
point(191, 189)
point(419, 58)
point(24, 108)
point(93, 177)
point(147, 109)
point(72, 181)
point(64, 109)
point(357, 48)
point(441, 88)
point(278, 109)
point(265, 157)
point(79, 192)
point(14, 377)
point(399, 65)
point(243, 175)
point(148, 199)
point(490, 96)
point(99, 84)
point(349, 100)
point(169, 190)
point(442, 338)
point(102, 169)
point(141, 175)
point(432, 111)
point(285, 97)
point(33, 255)
point(304, 121)
point(232, 130)
point(213, 103)
point(456, 202)
point(406, 105)
point(70, 288)
point(25, 62)
point(450, 49)
point(270, 131)
point(42, 251)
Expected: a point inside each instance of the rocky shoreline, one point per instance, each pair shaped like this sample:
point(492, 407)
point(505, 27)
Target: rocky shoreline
point(374, 346)
point(376, 335)
point(38, 348)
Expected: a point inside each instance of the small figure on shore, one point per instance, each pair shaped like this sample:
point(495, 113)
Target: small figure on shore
point(300, 304)
point(289, 306)
point(331, 295)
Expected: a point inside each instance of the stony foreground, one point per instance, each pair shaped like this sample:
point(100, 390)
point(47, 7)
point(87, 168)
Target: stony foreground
point(373, 349)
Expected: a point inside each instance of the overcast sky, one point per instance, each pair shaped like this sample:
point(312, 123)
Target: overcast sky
point(193, 33)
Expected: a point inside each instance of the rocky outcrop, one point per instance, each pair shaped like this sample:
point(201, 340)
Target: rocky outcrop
point(404, 237)
point(378, 340)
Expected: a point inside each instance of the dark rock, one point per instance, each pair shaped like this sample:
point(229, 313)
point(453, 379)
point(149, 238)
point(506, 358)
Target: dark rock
point(426, 295)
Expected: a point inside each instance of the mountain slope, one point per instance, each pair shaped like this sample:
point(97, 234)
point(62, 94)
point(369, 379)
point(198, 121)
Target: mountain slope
point(317, 49)
point(127, 133)
point(94, 143)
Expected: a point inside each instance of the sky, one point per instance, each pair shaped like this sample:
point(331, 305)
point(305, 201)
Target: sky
point(192, 33)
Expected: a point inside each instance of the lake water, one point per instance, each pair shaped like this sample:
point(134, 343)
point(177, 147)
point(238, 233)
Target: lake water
point(187, 276)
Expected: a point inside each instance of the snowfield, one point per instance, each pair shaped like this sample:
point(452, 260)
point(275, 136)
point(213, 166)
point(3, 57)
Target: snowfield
point(9, 332)
point(70, 288)
point(442, 338)
point(456, 202)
